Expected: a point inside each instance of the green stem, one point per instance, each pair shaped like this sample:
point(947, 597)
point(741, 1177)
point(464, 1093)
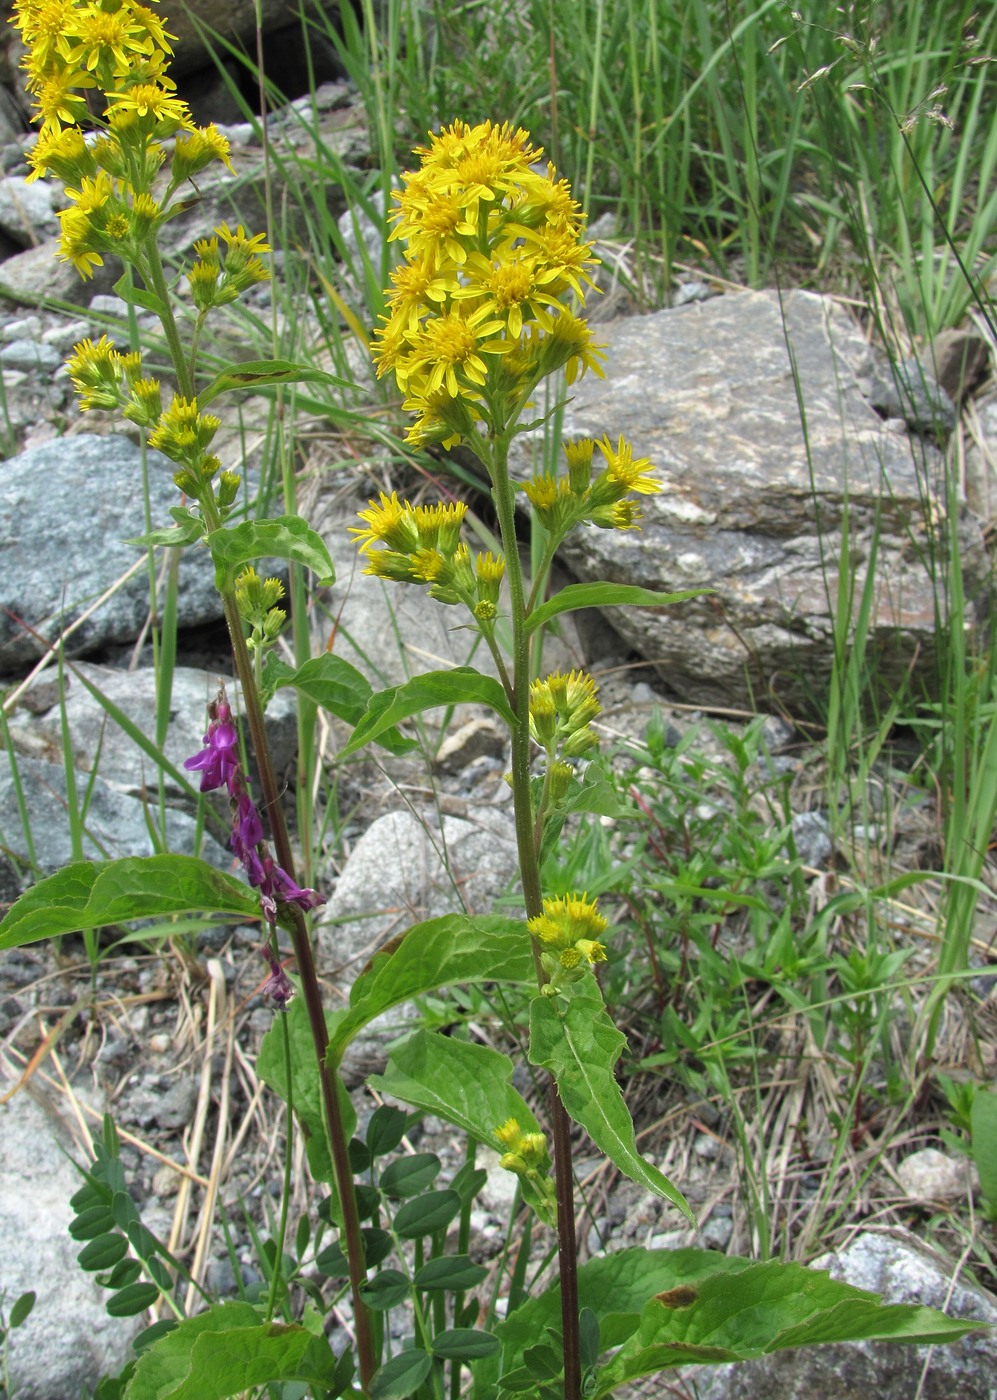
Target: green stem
point(156, 278)
point(533, 898)
point(285, 1195)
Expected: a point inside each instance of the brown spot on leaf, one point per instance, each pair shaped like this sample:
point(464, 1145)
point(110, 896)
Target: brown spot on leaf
point(681, 1297)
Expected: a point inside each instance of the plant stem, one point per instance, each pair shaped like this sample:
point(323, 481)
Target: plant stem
point(310, 990)
point(285, 1195)
point(533, 899)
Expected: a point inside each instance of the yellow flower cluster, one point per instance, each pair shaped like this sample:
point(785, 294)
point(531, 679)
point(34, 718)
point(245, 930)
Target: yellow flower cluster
point(561, 502)
point(103, 63)
point(562, 709)
point(257, 599)
point(477, 310)
point(568, 930)
point(423, 545)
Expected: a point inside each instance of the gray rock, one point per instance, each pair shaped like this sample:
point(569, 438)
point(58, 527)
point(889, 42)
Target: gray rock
point(39, 275)
point(69, 1341)
point(396, 877)
point(66, 508)
point(114, 825)
point(981, 458)
point(812, 837)
point(901, 1273)
point(23, 328)
point(707, 393)
point(960, 359)
point(930, 1176)
point(909, 391)
point(30, 355)
point(169, 1105)
point(98, 739)
point(26, 211)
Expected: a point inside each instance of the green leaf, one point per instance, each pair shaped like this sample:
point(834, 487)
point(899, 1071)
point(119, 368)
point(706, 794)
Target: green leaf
point(227, 1351)
point(461, 686)
point(463, 1083)
point(605, 595)
point(385, 1290)
point(983, 1125)
point(760, 1309)
point(306, 1096)
point(256, 374)
point(102, 1253)
point(283, 537)
point(426, 1214)
point(454, 1271)
point(90, 894)
point(334, 685)
point(407, 1176)
point(465, 1344)
point(615, 1287)
point(377, 1245)
point(438, 953)
point(401, 1376)
point(132, 1299)
point(386, 1129)
point(94, 1221)
point(578, 1042)
point(188, 530)
point(21, 1310)
point(138, 296)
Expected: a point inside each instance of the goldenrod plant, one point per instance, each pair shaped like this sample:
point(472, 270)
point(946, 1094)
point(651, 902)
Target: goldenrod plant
point(484, 308)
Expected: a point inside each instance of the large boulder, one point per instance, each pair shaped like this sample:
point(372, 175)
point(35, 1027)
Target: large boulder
point(900, 1272)
point(750, 409)
point(66, 509)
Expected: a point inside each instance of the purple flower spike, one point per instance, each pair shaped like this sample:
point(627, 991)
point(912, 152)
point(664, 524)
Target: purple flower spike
point(218, 761)
point(277, 986)
point(288, 892)
point(247, 832)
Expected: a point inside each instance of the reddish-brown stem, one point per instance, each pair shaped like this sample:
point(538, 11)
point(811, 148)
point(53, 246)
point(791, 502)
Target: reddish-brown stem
point(311, 992)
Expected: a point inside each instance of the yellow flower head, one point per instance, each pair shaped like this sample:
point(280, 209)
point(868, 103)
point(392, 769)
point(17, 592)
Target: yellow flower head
point(569, 932)
point(493, 246)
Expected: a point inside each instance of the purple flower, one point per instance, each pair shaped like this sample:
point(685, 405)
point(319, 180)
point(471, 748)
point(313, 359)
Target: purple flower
point(218, 761)
point(247, 831)
point(288, 892)
point(276, 886)
point(277, 986)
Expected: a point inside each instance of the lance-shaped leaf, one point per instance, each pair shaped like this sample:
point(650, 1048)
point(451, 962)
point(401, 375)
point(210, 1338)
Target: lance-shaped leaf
point(463, 1083)
point(438, 953)
point(257, 374)
point(463, 685)
point(605, 595)
point(91, 894)
point(334, 685)
point(578, 1042)
point(228, 1351)
point(283, 537)
point(188, 530)
point(304, 1092)
point(615, 1287)
point(761, 1309)
point(138, 296)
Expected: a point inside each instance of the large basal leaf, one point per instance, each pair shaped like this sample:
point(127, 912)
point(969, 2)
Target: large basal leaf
point(228, 1351)
point(91, 894)
point(284, 537)
point(305, 1089)
point(463, 1083)
point(257, 374)
point(461, 686)
point(983, 1124)
point(578, 1042)
point(760, 1309)
point(334, 685)
point(605, 595)
point(616, 1287)
point(438, 953)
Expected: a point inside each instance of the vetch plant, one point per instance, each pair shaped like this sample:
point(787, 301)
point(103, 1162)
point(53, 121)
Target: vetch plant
point(483, 309)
